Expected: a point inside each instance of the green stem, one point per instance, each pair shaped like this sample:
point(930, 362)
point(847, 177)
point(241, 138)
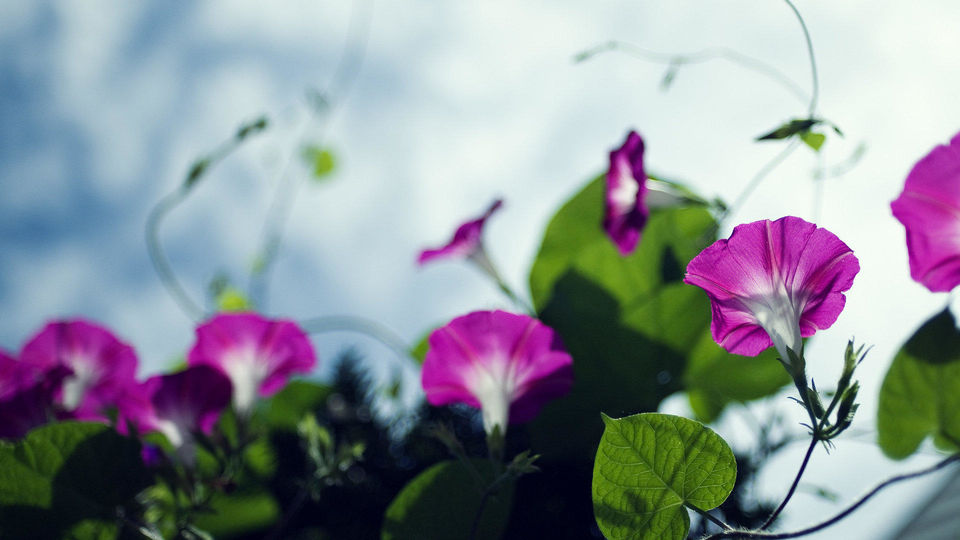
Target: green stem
point(712, 519)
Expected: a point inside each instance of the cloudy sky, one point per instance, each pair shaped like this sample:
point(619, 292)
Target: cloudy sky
point(105, 105)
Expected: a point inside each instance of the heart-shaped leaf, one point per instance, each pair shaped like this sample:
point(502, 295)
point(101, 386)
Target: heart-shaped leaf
point(920, 395)
point(650, 467)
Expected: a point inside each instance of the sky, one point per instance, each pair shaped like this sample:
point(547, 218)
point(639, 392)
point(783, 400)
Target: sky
point(104, 107)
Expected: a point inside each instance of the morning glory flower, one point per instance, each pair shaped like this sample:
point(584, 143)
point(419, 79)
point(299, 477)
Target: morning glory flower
point(467, 241)
point(507, 365)
point(259, 355)
point(26, 395)
point(773, 282)
point(101, 366)
point(929, 208)
point(625, 210)
point(181, 404)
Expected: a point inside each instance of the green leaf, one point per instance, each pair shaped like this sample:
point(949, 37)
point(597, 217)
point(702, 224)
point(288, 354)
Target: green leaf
point(920, 395)
point(813, 140)
point(797, 126)
point(239, 513)
point(320, 160)
point(649, 467)
point(630, 323)
point(285, 410)
point(68, 480)
point(714, 378)
point(232, 299)
point(419, 351)
point(442, 502)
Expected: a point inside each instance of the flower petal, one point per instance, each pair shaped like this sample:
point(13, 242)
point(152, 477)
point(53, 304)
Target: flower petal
point(102, 366)
point(259, 355)
point(773, 282)
point(625, 213)
point(507, 364)
point(466, 240)
point(929, 209)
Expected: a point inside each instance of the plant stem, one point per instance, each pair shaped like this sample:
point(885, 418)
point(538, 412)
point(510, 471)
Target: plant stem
point(714, 53)
point(796, 481)
point(713, 519)
point(814, 95)
point(841, 515)
point(159, 260)
point(761, 174)
point(345, 73)
point(361, 325)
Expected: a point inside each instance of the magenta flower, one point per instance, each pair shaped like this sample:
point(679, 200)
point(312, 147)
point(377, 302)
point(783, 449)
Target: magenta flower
point(773, 282)
point(26, 395)
point(101, 367)
point(625, 212)
point(179, 405)
point(258, 355)
point(467, 241)
point(929, 208)
point(508, 365)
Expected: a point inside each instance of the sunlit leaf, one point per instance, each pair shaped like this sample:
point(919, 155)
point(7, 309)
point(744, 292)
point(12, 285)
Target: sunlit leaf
point(442, 502)
point(920, 396)
point(813, 140)
point(320, 160)
point(232, 299)
point(789, 129)
point(630, 323)
point(650, 467)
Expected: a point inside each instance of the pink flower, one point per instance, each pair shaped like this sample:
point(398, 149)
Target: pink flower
point(929, 208)
point(467, 241)
point(508, 365)
point(26, 395)
point(773, 282)
point(101, 367)
point(258, 355)
point(179, 405)
point(625, 212)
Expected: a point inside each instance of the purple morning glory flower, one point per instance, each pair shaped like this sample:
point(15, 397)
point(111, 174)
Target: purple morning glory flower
point(773, 282)
point(507, 365)
point(467, 241)
point(179, 405)
point(625, 212)
point(101, 367)
point(929, 209)
point(259, 355)
point(26, 395)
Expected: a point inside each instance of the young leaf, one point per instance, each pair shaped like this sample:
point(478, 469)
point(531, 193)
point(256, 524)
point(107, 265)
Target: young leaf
point(920, 395)
point(813, 140)
point(796, 126)
point(320, 160)
point(442, 502)
point(650, 467)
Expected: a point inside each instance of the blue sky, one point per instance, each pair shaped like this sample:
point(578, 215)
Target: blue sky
point(103, 106)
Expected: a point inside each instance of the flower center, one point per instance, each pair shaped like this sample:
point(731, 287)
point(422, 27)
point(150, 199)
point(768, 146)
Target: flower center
point(778, 315)
point(624, 193)
point(247, 370)
point(85, 375)
point(493, 385)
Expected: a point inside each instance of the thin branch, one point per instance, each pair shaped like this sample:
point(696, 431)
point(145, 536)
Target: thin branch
point(815, 94)
point(348, 67)
point(761, 174)
point(714, 53)
point(711, 518)
point(159, 260)
point(841, 515)
point(373, 329)
point(793, 487)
